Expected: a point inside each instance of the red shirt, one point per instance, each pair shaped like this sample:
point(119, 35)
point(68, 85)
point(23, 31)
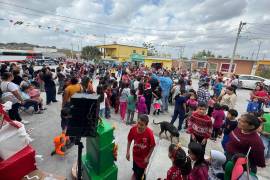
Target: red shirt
point(143, 142)
point(240, 143)
point(174, 173)
point(200, 125)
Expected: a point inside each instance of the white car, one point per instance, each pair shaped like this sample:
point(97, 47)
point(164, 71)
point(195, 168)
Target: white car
point(250, 81)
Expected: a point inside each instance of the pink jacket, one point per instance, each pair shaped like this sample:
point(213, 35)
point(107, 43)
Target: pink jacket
point(141, 106)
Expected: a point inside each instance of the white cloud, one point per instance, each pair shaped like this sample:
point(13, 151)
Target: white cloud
point(197, 24)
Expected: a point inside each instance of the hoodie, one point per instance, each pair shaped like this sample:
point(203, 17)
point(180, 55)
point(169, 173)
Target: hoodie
point(216, 171)
point(141, 106)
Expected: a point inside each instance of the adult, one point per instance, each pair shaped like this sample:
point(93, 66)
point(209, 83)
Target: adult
point(260, 94)
point(245, 139)
point(70, 90)
point(49, 85)
point(61, 77)
point(17, 79)
point(203, 93)
point(11, 93)
point(166, 84)
point(229, 98)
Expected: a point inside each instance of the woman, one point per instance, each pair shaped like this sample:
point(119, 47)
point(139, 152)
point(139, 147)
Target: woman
point(229, 98)
point(245, 137)
point(70, 90)
point(49, 84)
point(260, 94)
point(11, 93)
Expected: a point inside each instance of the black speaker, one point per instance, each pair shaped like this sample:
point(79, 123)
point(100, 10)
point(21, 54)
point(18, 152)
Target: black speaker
point(85, 115)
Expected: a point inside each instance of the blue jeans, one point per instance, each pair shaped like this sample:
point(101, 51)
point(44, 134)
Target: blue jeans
point(181, 116)
point(164, 100)
point(225, 141)
point(266, 143)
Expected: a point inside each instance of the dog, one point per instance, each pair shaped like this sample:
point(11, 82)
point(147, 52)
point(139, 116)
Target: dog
point(166, 126)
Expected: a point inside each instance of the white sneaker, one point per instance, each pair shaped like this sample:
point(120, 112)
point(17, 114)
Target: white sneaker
point(25, 122)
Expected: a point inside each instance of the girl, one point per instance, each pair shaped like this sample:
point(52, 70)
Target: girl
point(218, 116)
point(124, 93)
point(192, 104)
point(181, 164)
point(132, 98)
point(200, 167)
point(211, 103)
point(102, 97)
point(157, 100)
point(115, 97)
point(141, 106)
point(148, 96)
point(245, 137)
point(217, 160)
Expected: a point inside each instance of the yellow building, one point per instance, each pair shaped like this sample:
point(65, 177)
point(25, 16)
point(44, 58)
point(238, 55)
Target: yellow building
point(263, 68)
point(121, 52)
point(158, 62)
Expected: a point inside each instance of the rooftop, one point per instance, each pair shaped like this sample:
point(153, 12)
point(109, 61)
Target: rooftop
point(119, 45)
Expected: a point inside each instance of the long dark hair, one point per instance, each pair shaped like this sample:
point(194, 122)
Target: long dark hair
point(100, 92)
point(182, 161)
point(197, 149)
point(133, 92)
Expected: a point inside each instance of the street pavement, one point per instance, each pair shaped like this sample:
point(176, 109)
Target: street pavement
point(47, 125)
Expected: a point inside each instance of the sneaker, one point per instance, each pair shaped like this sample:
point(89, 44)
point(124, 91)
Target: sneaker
point(55, 101)
point(24, 122)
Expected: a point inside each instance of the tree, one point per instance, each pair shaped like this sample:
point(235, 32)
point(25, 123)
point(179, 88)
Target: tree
point(151, 50)
point(203, 54)
point(91, 53)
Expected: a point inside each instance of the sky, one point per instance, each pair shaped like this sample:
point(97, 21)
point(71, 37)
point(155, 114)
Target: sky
point(172, 26)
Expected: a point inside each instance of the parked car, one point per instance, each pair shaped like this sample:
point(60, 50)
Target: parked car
point(250, 81)
point(47, 62)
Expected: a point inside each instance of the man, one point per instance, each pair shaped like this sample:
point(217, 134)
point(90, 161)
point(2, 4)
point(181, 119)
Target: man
point(61, 78)
point(166, 85)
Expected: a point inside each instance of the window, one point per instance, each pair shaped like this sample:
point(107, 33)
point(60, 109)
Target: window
point(256, 78)
point(201, 65)
point(212, 67)
point(142, 52)
point(244, 77)
point(134, 51)
point(225, 67)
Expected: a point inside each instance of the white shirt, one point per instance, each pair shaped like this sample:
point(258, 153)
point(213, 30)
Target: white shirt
point(102, 104)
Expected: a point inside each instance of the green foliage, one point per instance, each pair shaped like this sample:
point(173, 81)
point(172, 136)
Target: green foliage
point(151, 50)
point(203, 54)
point(91, 53)
point(264, 74)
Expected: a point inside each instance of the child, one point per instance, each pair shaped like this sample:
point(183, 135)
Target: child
point(218, 87)
point(217, 160)
point(200, 125)
point(141, 106)
point(108, 92)
point(102, 98)
point(253, 106)
point(25, 82)
point(179, 108)
point(124, 93)
point(200, 167)
point(115, 97)
point(229, 125)
point(211, 103)
point(225, 109)
point(144, 144)
point(181, 164)
point(265, 136)
point(218, 116)
point(148, 96)
point(157, 100)
point(132, 98)
point(192, 104)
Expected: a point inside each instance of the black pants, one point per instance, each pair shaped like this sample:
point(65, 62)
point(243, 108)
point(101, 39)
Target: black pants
point(215, 133)
point(14, 112)
point(199, 139)
point(138, 172)
point(29, 103)
point(148, 105)
point(50, 94)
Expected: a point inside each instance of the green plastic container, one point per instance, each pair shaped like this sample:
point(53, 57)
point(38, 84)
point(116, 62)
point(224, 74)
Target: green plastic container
point(266, 125)
point(90, 174)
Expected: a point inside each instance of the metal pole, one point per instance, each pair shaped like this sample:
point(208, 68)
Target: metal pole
point(257, 56)
point(235, 46)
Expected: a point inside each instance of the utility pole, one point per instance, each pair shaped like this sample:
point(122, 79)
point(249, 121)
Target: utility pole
point(235, 46)
point(104, 42)
point(259, 48)
point(71, 50)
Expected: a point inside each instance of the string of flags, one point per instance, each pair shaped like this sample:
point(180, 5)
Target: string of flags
point(69, 31)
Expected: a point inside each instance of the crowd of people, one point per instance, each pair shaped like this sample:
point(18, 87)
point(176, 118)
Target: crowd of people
point(206, 113)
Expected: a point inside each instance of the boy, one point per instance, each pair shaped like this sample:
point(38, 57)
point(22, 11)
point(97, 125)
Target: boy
point(253, 106)
point(229, 125)
point(179, 108)
point(200, 125)
point(144, 144)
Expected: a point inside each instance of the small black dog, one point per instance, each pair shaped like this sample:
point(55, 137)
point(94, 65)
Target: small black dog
point(166, 126)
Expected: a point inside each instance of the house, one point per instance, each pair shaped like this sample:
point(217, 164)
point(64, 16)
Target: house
point(121, 52)
point(240, 66)
point(190, 64)
point(158, 62)
point(263, 68)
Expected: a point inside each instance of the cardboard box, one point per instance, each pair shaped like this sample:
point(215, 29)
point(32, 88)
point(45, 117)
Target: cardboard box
point(41, 175)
